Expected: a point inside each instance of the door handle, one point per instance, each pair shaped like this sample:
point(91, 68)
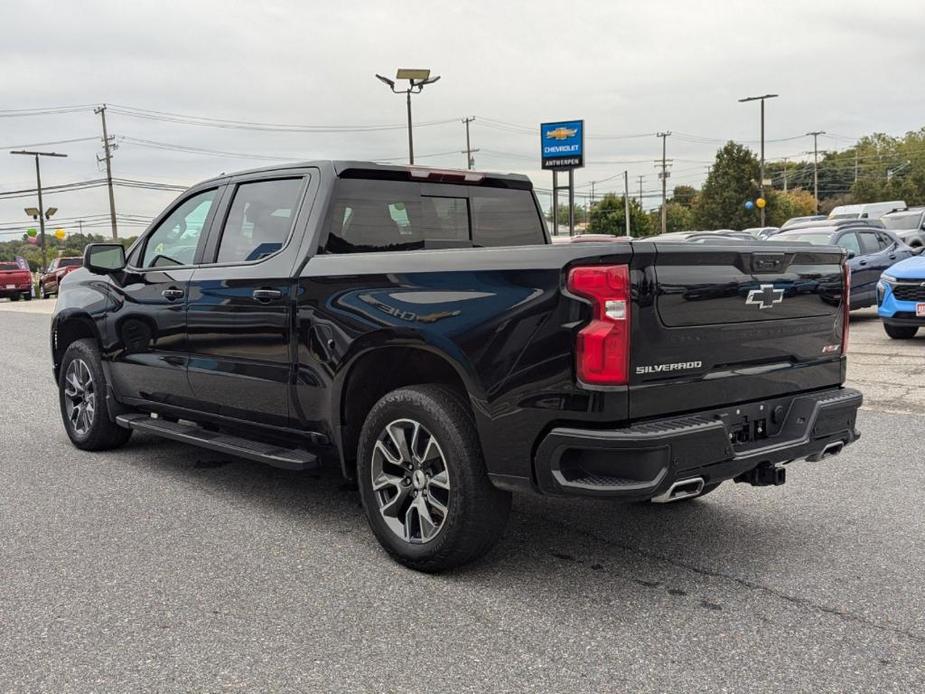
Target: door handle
point(172, 294)
point(893, 257)
point(265, 295)
point(862, 262)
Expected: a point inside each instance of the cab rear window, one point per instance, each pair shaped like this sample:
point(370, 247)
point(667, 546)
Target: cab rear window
point(378, 215)
point(7, 267)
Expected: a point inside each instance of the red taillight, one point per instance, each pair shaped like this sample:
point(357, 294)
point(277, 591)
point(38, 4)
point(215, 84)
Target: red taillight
point(846, 308)
point(603, 348)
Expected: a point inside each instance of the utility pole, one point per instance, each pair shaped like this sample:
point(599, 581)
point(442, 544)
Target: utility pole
point(626, 201)
point(815, 135)
point(664, 177)
point(470, 160)
point(762, 99)
point(41, 213)
point(785, 174)
point(107, 156)
point(641, 178)
point(855, 164)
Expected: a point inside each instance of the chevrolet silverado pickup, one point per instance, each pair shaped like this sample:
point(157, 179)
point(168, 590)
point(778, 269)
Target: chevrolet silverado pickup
point(418, 329)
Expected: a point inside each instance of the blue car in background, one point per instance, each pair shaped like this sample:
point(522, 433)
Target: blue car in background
point(901, 298)
point(871, 250)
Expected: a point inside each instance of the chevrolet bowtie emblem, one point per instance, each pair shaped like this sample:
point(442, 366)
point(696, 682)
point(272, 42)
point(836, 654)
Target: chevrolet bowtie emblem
point(561, 134)
point(765, 296)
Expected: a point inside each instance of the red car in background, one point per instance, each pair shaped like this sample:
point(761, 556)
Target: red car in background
point(15, 280)
point(59, 267)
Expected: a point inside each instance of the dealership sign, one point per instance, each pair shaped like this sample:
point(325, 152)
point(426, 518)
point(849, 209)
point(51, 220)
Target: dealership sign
point(562, 144)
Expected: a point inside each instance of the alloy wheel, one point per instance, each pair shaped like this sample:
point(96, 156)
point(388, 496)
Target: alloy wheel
point(411, 481)
point(79, 397)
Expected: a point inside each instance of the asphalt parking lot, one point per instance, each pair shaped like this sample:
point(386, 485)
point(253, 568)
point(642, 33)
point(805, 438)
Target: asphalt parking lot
point(163, 567)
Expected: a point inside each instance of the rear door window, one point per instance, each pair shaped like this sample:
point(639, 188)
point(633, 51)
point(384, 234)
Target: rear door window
point(259, 220)
point(869, 243)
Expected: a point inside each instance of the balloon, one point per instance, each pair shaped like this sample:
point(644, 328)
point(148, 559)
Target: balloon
point(761, 202)
point(32, 232)
point(749, 205)
point(60, 234)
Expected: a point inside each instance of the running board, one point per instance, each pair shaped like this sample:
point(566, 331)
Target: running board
point(277, 456)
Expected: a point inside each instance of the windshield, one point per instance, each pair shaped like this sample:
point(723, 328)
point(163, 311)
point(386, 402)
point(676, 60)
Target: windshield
point(903, 221)
point(817, 238)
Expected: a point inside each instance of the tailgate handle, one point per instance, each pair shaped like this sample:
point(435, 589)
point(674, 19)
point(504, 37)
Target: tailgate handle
point(767, 262)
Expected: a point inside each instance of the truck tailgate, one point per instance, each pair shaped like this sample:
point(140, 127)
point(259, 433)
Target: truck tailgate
point(722, 325)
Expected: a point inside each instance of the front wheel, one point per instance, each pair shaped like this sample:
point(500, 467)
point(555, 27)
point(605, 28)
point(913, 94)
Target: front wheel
point(82, 396)
point(423, 481)
point(900, 332)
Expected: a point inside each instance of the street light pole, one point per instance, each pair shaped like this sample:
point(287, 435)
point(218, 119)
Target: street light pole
point(41, 210)
point(417, 80)
point(762, 99)
point(815, 135)
point(410, 137)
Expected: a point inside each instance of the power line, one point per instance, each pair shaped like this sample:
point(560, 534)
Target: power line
point(52, 142)
point(207, 121)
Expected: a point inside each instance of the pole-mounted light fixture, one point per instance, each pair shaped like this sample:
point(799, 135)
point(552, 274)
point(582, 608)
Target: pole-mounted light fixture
point(417, 78)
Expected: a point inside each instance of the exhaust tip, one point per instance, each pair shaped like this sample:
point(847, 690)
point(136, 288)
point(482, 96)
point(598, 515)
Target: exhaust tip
point(682, 489)
point(832, 448)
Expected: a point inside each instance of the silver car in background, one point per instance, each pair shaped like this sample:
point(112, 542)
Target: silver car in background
point(909, 225)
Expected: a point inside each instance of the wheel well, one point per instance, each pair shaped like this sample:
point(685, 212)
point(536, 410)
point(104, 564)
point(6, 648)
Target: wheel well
point(68, 331)
point(377, 373)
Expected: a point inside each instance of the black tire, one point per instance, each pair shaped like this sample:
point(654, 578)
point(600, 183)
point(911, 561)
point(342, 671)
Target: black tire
point(27, 297)
point(14, 297)
point(900, 332)
point(476, 511)
point(100, 433)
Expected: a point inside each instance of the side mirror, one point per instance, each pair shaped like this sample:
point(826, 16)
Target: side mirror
point(104, 258)
point(851, 254)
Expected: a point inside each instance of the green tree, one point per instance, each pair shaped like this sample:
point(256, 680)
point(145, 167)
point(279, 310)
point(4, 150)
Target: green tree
point(678, 217)
point(794, 203)
point(684, 195)
point(608, 216)
point(581, 214)
point(732, 181)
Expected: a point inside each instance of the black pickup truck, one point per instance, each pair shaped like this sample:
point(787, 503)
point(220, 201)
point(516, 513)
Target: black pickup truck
point(418, 327)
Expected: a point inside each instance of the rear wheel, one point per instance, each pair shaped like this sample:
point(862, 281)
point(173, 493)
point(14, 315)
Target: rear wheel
point(423, 480)
point(82, 397)
point(14, 297)
point(27, 297)
point(900, 332)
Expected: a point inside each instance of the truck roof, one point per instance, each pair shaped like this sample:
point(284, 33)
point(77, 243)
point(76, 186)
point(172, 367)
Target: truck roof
point(369, 169)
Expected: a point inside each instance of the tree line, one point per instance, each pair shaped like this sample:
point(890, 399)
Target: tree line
point(877, 167)
point(71, 245)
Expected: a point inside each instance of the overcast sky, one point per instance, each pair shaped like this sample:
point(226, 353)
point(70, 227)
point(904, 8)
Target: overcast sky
point(627, 68)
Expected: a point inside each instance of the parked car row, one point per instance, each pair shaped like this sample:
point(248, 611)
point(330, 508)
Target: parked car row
point(16, 281)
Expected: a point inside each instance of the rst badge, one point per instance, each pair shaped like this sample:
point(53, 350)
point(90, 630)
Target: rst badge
point(765, 296)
